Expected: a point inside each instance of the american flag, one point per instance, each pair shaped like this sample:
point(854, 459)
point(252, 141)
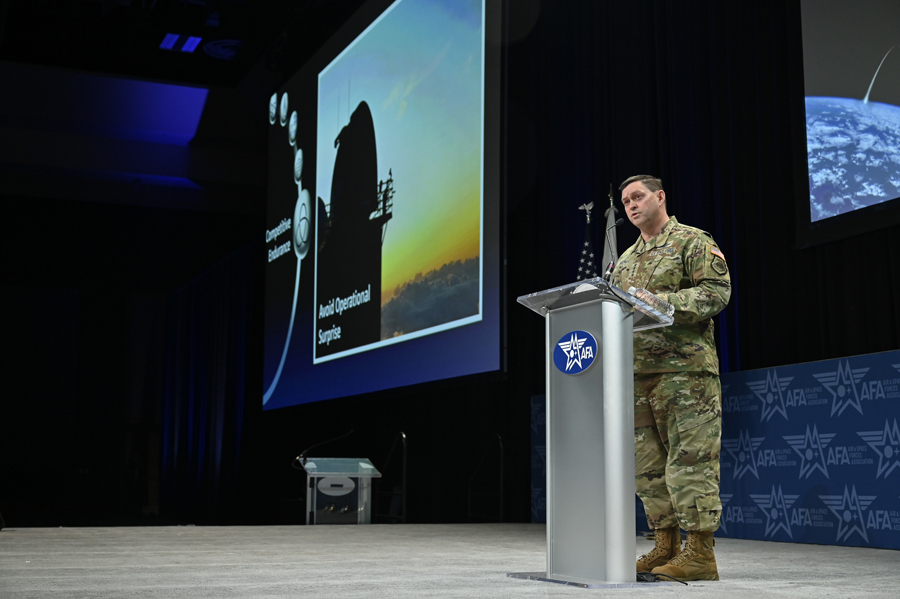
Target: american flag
point(587, 265)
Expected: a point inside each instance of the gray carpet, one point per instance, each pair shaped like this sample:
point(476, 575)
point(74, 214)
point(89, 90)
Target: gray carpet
point(451, 560)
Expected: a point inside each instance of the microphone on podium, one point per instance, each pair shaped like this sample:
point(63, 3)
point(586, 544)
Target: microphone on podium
point(302, 457)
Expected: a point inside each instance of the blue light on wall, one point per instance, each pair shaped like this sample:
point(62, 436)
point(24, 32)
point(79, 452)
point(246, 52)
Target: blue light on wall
point(191, 44)
point(169, 41)
point(184, 43)
point(146, 111)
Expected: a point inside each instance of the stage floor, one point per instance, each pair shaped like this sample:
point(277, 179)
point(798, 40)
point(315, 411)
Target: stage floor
point(448, 560)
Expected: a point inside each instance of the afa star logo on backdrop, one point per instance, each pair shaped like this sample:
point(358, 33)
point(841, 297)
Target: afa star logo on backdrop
point(575, 352)
point(770, 393)
point(842, 384)
point(541, 451)
point(849, 511)
point(724, 498)
point(743, 450)
point(886, 443)
point(538, 417)
point(811, 449)
point(730, 403)
point(538, 502)
point(776, 505)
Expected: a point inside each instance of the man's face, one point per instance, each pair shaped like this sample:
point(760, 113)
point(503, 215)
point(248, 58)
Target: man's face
point(643, 207)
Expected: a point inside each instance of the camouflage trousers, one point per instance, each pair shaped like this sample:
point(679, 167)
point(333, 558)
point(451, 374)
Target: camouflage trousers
point(677, 439)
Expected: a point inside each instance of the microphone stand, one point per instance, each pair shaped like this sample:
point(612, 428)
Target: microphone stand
point(302, 457)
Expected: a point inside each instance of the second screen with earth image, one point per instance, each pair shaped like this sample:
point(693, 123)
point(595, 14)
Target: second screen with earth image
point(851, 63)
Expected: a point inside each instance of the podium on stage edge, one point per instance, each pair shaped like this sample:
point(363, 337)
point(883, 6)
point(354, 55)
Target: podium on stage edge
point(339, 490)
point(590, 429)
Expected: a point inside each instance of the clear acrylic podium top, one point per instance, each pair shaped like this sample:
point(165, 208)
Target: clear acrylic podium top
point(353, 467)
point(543, 302)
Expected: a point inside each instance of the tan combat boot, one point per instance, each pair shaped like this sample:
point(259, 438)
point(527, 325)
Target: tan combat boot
point(668, 545)
point(696, 562)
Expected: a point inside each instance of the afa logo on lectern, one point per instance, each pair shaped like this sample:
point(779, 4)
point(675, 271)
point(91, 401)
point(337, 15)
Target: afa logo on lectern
point(575, 352)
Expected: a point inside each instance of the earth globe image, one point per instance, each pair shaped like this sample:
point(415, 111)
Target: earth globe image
point(854, 154)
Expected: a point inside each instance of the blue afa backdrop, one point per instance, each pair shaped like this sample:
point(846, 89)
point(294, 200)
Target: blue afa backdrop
point(810, 453)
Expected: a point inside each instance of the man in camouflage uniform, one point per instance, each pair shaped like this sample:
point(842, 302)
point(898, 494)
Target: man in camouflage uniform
point(678, 406)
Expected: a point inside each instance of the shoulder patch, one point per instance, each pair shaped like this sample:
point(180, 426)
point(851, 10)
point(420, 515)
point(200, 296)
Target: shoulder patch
point(719, 266)
point(716, 252)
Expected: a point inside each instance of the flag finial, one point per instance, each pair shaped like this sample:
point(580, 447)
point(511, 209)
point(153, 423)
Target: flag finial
point(587, 209)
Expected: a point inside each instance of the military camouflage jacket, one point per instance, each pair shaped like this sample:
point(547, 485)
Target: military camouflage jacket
point(685, 267)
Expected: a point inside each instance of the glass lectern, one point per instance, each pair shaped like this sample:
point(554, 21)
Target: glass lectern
point(339, 490)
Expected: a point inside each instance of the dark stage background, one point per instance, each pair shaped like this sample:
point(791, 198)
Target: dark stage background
point(132, 324)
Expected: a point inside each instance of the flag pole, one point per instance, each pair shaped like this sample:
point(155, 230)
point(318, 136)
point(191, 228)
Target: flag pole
point(610, 253)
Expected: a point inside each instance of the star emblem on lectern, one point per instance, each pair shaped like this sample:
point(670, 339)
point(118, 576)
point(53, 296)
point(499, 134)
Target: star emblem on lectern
point(571, 349)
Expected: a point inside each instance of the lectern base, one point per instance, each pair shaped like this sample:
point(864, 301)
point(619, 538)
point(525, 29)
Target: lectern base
point(585, 583)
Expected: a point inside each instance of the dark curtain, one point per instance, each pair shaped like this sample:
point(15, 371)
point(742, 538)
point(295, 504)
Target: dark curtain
point(709, 96)
point(205, 390)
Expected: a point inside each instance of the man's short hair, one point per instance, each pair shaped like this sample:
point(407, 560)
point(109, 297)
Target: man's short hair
point(650, 182)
